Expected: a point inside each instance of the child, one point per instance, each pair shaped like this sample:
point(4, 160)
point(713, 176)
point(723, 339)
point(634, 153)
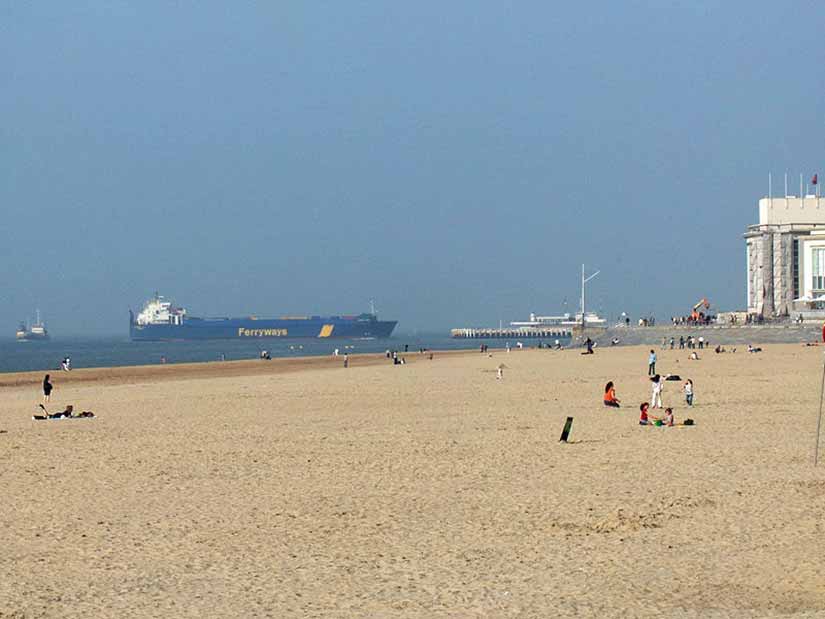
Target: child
point(689, 392)
point(610, 398)
point(656, 394)
point(651, 363)
point(47, 389)
point(643, 419)
point(668, 417)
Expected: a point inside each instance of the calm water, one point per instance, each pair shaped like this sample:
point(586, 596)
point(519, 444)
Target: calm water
point(101, 352)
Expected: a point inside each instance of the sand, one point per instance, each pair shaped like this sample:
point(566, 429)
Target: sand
point(303, 489)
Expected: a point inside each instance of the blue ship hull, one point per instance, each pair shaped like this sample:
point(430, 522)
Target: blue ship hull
point(263, 328)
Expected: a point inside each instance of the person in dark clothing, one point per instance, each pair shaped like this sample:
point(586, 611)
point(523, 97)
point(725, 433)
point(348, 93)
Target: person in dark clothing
point(48, 415)
point(47, 389)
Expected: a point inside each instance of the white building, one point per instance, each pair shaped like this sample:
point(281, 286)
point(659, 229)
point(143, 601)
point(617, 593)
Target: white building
point(786, 257)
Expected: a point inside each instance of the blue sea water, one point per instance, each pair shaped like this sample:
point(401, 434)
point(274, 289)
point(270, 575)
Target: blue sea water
point(119, 351)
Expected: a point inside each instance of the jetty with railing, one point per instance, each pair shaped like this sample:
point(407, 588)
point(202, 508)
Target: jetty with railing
point(511, 333)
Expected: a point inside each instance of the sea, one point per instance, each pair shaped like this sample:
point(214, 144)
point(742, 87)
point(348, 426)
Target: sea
point(90, 352)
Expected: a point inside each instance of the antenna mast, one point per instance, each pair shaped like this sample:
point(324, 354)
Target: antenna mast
point(584, 281)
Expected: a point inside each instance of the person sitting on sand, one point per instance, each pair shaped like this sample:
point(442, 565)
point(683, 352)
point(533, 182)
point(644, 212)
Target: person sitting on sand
point(753, 349)
point(610, 398)
point(668, 419)
point(644, 420)
point(694, 356)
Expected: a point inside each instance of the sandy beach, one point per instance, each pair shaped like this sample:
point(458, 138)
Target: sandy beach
point(298, 488)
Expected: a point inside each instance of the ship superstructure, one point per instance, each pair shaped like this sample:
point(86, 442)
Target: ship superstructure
point(37, 331)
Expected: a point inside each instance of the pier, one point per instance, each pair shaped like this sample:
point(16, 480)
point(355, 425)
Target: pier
point(512, 333)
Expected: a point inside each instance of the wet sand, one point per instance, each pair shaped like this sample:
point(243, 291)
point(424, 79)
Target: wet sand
point(298, 488)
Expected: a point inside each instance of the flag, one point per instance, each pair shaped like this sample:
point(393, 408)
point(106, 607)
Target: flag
point(814, 179)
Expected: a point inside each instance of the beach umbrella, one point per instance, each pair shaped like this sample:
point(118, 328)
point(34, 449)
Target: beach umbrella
point(819, 298)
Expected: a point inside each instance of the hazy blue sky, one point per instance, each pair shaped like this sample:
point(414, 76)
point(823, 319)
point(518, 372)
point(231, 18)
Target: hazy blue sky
point(456, 161)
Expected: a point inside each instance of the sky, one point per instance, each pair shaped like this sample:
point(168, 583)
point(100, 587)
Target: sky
point(456, 162)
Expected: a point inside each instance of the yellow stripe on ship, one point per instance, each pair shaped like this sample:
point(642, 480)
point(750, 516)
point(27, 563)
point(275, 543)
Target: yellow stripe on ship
point(326, 330)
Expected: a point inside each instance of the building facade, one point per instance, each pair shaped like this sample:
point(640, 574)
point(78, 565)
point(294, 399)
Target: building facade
point(785, 258)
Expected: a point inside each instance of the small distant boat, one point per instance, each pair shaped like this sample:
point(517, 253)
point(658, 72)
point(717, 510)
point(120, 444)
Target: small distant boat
point(36, 332)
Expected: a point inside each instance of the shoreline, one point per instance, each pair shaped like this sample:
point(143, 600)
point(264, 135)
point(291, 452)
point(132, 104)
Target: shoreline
point(157, 372)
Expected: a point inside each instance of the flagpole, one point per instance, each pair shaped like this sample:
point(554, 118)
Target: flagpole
point(786, 185)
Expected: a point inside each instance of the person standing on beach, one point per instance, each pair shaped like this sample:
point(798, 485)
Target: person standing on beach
point(651, 363)
point(346, 360)
point(656, 394)
point(689, 392)
point(47, 389)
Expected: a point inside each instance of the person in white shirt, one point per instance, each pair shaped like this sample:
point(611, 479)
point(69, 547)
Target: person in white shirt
point(689, 392)
point(656, 394)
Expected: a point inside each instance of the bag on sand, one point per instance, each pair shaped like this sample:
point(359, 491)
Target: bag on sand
point(688, 422)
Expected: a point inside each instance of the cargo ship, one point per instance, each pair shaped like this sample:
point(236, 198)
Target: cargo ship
point(36, 332)
point(161, 320)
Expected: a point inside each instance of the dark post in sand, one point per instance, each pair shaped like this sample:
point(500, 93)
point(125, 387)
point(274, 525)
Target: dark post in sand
point(566, 431)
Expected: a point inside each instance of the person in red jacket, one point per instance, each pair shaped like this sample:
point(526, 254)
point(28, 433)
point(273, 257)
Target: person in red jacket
point(643, 418)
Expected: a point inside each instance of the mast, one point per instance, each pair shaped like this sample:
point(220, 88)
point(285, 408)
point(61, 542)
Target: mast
point(584, 281)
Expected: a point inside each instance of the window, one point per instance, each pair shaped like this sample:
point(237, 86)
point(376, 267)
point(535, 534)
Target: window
point(795, 267)
point(818, 269)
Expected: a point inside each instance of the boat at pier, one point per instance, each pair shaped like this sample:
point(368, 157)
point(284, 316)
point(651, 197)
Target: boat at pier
point(161, 320)
point(589, 319)
point(556, 327)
